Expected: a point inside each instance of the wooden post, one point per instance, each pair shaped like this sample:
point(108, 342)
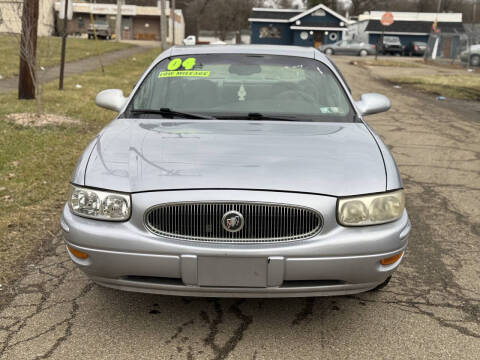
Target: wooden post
point(163, 25)
point(118, 21)
point(28, 50)
point(95, 37)
point(173, 17)
point(64, 45)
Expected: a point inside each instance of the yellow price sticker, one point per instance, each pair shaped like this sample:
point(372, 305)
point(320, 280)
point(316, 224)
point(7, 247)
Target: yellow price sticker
point(174, 64)
point(187, 64)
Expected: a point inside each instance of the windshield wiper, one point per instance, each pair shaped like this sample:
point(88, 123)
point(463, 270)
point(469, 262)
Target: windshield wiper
point(166, 112)
point(258, 116)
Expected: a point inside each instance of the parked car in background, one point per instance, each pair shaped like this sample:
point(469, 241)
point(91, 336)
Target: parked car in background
point(471, 56)
point(415, 48)
point(238, 171)
point(390, 45)
point(192, 40)
point(348, 47)
point(103, 31)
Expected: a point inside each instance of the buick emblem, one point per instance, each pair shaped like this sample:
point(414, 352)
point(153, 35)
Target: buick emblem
point(232, 221)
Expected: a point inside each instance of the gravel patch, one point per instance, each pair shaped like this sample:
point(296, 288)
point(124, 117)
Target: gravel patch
point(31, 119)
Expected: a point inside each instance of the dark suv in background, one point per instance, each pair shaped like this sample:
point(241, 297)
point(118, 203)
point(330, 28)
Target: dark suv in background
point(390, 45)
point(415, 48)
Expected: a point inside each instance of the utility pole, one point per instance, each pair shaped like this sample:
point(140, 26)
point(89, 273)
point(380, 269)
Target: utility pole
point(172, 16)
point(163, 25)
point(439, 5)
point(118, 21)
point(64, 45)
point(28, 50)
point(474, 17)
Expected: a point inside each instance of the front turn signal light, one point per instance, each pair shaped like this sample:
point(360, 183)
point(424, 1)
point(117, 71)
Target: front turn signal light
point(391, 260)
point(77, 253)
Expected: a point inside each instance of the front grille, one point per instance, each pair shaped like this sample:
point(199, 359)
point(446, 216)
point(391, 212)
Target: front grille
point(263, 222)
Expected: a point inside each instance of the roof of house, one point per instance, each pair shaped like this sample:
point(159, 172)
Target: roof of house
point(420, 27)
point(274, 14)
point(290, 15)
point(412, 16)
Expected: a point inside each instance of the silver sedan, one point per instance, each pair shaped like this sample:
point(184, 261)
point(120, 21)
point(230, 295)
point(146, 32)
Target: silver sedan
point(238, 171)
point(348, 47)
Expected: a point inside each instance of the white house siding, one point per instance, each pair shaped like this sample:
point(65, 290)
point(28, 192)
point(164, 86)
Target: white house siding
point(11, 17)
point(357, 31)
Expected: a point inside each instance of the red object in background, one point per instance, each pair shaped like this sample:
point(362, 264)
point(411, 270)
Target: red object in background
point(387, 19)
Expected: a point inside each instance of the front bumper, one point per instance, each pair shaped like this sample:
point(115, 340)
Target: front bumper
point(337, 261)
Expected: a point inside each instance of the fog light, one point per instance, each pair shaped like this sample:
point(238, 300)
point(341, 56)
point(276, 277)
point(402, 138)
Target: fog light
point(391, 260)
point(78, 254)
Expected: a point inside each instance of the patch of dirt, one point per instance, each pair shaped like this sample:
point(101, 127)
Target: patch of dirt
point(31, 119)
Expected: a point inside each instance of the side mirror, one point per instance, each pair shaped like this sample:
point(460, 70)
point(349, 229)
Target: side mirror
point(111, 99)
point(373, 103)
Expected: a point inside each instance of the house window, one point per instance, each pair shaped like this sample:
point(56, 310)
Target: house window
point(319, 12)
point(100, 19)
point(270, 32)
point(80, 22)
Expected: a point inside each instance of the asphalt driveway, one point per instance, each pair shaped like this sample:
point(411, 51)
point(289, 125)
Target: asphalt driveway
point(431, 309)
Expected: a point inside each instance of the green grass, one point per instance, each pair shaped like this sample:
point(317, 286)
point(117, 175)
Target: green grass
point(388, 62)
point(466, 87)
point(49, 50)
point(36, 163)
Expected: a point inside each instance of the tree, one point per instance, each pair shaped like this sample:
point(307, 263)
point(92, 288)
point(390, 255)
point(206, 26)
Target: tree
point(332, 4)
point(281, 4)
point(195, 10)
point(360, 6)
point(224, 17)
point(24, 16)
point(28, 50)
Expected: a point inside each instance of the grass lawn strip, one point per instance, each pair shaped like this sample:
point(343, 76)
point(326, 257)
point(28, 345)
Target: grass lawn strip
point(466, 87)
point(36, 163)
point(49, 50)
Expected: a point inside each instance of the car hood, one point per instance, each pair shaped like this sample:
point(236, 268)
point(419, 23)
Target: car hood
point(338, 159)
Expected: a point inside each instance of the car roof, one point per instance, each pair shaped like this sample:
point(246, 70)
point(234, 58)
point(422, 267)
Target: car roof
point(286, 50)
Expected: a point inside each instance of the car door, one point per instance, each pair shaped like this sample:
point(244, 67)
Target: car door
point(353, 47)
point(341, 47)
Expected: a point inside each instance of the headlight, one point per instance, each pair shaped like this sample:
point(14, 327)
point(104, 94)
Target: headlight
point(371, 209)
point(96, 204)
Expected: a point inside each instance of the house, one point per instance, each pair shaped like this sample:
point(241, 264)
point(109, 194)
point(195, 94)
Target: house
point(138, 22)
point(11, 17)
point(313, 27)
point(408, 26)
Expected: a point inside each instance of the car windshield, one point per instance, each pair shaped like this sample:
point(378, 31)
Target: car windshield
point(242, 86)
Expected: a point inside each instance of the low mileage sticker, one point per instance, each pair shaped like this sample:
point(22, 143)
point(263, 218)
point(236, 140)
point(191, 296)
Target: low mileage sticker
point(182, 73)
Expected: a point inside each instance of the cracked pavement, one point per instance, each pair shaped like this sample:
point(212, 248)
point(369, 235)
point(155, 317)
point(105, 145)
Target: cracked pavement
point(430, 309)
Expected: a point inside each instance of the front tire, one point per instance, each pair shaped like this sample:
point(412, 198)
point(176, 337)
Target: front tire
point(382, 285)
point(363, 52)
point(475, 60)
point(328, 51)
